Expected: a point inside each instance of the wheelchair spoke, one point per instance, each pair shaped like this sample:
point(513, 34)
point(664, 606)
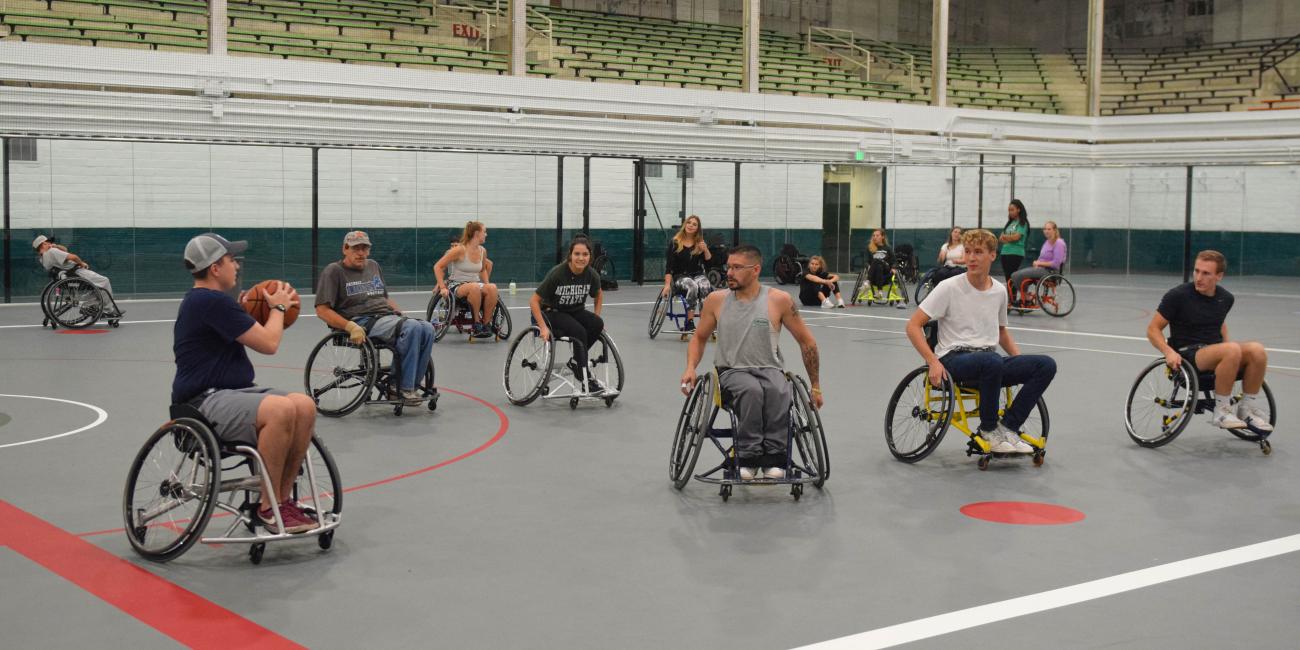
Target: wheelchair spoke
point(1160, 404)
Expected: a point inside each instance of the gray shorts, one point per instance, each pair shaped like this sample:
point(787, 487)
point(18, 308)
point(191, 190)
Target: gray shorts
point(233, 412)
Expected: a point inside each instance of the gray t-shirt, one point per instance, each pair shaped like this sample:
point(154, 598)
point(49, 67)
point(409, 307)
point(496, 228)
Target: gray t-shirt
point(353, 293)
point(53, 258)
point(564, 291)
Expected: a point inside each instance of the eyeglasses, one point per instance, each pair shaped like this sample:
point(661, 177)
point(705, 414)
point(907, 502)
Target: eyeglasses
point(741, 267)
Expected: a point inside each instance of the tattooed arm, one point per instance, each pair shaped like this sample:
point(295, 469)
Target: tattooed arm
point(791, 319)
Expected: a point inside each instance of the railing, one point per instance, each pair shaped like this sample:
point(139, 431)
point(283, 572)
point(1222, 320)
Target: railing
point(843, 44)
point(1274, 57)
point(497, 9)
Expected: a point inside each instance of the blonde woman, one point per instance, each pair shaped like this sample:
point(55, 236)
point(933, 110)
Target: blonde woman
point(684, 268)
point(818, 285)
point(952, 257)
point(463, 272)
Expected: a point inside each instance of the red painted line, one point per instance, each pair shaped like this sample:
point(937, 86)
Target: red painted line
point(500, 433)
point(181, 614)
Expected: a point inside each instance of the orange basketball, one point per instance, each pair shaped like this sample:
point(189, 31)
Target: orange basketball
point(256, 306)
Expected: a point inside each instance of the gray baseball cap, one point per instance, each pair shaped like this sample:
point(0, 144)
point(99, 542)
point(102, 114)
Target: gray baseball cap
point(40, 239)
point(204, 251)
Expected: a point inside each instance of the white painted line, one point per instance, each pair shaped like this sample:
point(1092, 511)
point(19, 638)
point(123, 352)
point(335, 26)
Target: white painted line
point(102, 416)
point(964, 619)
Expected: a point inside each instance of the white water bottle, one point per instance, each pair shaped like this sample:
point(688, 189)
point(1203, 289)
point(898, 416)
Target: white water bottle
point(514, 288)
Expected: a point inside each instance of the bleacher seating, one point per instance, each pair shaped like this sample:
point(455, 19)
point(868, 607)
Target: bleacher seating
point(1210, 78)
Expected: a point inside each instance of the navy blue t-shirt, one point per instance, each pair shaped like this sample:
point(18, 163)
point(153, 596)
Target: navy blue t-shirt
point(207, 354)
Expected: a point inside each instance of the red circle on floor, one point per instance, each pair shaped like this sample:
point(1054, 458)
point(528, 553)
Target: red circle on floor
point(1024, 513)
point(82, 332)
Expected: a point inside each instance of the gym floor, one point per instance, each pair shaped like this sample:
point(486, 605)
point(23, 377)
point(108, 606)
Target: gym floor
point(486, 525)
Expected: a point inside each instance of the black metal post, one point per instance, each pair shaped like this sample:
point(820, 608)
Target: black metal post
point(884, 195)
point(559, 209)
point(1013, 177)
point(979, 215)
point(638, 220)
point(681, 214)
point(315, 215)
point(586, 194)
point(4, 181)
point(1187, 231)
point(735, 224)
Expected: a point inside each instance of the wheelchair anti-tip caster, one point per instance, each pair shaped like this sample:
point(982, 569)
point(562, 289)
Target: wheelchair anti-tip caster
point(573, 403)
point(1039, 458)
point(114, 323)
point(433, 402)
point(725, 492)
point(1266, 447)
point(255, 553)
point(609, 401)
point(796, 491)
point(325, 540)
point(983, 462)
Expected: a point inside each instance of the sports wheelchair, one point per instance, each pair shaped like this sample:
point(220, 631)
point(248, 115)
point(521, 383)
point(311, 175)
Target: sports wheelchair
point(807, 460)
point(440, 313)
point(1163, 400)
point(341, 376)
point(533, 370)
point(788, 266)
point(1053, 294)
point(671, 306)
point(74, 303)
point(175, 483)
point(932, 278)
point(894, 293)
point(715, 268)
point(919, 414)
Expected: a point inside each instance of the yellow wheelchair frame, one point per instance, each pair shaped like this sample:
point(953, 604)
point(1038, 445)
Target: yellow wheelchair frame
point(938, 408)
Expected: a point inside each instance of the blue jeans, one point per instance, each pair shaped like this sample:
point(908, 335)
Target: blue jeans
point(992, 371)
point(415, 346)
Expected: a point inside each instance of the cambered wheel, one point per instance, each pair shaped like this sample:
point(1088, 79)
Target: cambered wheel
point(1056, 295)
point(74, 303)
point(918, 416)
point(695, 416)
point(340, 375)
point(717, 277)
point(1161, 403)
point(171, 489)
point(809, 436)
point(528, 366)
point(658, 313)
point(440, 313)
point(1270, 404)
point(924, 286)
point(1037, 424)
point(786, 269)
point(322, 487)
point(606, 268)
point(605, 353)
point(502, 324)
point(859, 286)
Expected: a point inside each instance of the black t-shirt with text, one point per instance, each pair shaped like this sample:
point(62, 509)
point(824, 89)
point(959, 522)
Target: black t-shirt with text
point(563, 290)
point(1195, 319)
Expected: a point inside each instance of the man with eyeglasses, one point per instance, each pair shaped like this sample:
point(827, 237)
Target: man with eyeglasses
point(748, 318)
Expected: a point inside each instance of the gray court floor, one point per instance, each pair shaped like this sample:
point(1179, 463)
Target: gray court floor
point(565, 532)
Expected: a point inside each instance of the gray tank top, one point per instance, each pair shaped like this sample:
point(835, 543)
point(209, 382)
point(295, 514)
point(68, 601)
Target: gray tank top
point(463, 270)
point(746, 337)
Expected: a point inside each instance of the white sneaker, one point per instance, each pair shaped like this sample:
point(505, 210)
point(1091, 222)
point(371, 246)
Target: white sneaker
point(1018, 443)
point(1224, 418)
point(1252, 416)
point(775, 473)
point(748, 473)
point(827, 304)
point(998, 442)
point(412, 397)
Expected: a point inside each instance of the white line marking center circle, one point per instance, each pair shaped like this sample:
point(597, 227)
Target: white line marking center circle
point(101, 416)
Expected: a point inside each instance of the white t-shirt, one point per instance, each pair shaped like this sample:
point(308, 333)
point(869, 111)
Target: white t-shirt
point(967, 316)
point(53, 258)
point(952, 254)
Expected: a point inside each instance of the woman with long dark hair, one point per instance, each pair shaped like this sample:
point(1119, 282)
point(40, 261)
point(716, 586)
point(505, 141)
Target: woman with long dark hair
point(559, 305)
point(1014, 236)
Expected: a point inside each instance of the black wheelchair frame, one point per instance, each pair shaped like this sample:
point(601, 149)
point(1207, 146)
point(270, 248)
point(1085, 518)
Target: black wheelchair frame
point(73, 302)
point(441, 315)
point(371, 378)
point(1176, 395)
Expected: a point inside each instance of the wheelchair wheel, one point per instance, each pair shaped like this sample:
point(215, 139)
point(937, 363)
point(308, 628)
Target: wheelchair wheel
point(696, 415)
point(440, 312)
point(786, 269)
point(339, 375)
point(717, 277)
point(1037, 424)
point(924, 286)
point(604, 352)
point(900, 284)
point(1161, 403)
point(1056, 295)
point(918, 416)
point(74, 303)
point(605, 268)
point(658, 313)
point(324, 484)
point(171, 490)
point(809, 436)
point(859, 286)
point(1247, 434)
point(502, 325)
point(528, 366)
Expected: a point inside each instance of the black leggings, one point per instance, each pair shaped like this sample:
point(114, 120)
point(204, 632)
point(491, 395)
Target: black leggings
point(1011, 264)
point(878, 273)
point(582, 326)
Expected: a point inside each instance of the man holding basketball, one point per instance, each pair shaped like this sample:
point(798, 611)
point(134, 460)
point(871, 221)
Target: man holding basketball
point(214, 375)
point(351, 296)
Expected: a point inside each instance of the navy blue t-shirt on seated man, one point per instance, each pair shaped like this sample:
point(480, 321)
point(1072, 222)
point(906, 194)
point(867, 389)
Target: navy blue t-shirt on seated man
point(214, 375)
point(1195, 313)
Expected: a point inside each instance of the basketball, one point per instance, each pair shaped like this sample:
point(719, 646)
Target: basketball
point(256, 306)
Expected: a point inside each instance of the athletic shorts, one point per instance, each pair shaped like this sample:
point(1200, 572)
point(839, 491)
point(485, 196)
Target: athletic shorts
point(233, 412)
point(1188, 352)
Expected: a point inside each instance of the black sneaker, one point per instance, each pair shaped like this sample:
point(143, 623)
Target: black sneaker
point(690, 326)
point(594, 386)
